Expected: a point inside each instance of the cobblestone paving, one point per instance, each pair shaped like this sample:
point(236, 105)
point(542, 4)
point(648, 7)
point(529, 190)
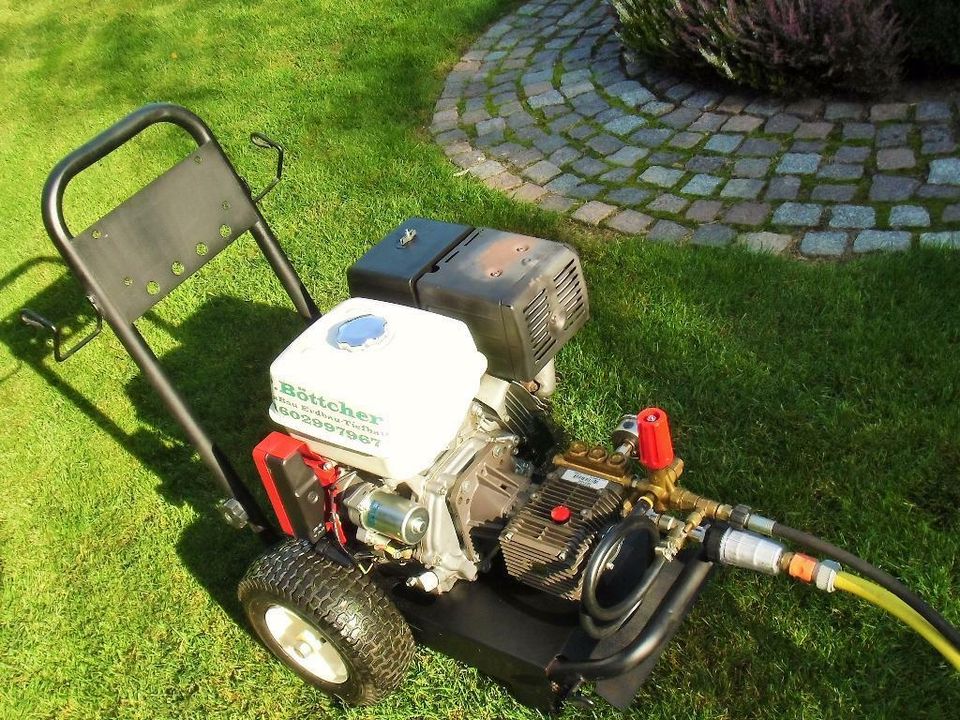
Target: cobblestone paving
point(546, 107)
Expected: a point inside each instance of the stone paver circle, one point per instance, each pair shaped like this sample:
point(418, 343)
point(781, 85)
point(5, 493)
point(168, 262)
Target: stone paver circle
point(547, 106)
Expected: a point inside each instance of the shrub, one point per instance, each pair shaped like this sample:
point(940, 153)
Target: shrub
point(931, 28)
point(787, 46)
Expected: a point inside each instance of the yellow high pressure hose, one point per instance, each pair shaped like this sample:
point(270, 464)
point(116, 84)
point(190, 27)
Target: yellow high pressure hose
point(873, 593)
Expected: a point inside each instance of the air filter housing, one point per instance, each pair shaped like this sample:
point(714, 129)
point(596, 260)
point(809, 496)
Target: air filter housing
point(522, 297)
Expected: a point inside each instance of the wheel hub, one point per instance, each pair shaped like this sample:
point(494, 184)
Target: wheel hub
point(305, 645)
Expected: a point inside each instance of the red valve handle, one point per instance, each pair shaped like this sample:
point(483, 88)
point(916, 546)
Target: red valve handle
point(656, 446)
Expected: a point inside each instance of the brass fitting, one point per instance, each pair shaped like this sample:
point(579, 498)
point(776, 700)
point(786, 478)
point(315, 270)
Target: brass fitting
point(685, 500)
point(661, 484)
point(678, 536)
point(595, 460)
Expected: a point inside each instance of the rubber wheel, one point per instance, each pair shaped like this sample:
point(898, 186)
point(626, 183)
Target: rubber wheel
point(331, 625)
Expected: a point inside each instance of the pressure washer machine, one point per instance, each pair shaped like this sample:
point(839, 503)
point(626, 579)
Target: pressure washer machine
point(418, 489)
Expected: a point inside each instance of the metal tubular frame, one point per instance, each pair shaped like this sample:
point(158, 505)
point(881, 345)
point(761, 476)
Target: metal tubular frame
point(52, 210)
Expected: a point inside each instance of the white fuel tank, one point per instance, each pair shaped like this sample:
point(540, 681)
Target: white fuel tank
point(381, 387)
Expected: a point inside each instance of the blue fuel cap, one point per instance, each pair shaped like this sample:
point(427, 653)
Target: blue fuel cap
point(361, 332)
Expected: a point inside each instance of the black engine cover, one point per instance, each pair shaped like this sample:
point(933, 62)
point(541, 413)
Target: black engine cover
point(522, 297)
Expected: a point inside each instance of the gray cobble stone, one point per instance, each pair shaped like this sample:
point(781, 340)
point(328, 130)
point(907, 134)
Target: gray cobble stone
point(486, 169)
point(799, 164)
point(680, 118)
point(783, 188)
point(708, 122)
point(605, 144)
point(808, 146)
point(758, 147)
point(781, 124)
point(951, 214)
point(651, 137)
point(704, 211)
point(883, 112)
point(808, 108)
point(871, 240)
point(723, 143)
point(669, 232)
point(706, 164)
point(563, 183)
point(766, 242)
point(748, 213)
point(844, 111)
point(823, 244)
point(949, 239)
point(593, 212)
point(798, 214)
point(556, 203)
point(853, 216)
point(896, 159)
point(702, 184)
point(668, 203)
point(503, 181)
point(893, 135)
point(528, 192)
point(625, 124)
point(657, 108)
point(582, 132)
point(890, 188)
point(841, 171)
point(713, 235)
point(858, 131)
point(630, 222)
point(618, 175)
point(833, 193)
point(751, 168)
point(589, 167)
point(742, 124)
point(745, 188)
point(930, 111)
point(909, 216)
point(764, 106)
point(628, 196)
point(813, 130)
point(628, 155)
point(565, 122)
point(564, 155)
point(572, 91)
point(703, 99)
point(520, 119)
point(661, 176)
point(485, 127)
point(851, 154)
point(945, 171)
point(586, 191)
point(685, 140)
point(938, 192)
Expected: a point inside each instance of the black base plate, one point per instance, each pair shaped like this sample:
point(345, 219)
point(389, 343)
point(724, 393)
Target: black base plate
point(513, 633)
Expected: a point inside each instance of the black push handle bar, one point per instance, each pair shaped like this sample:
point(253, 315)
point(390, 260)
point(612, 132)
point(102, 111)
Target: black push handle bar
point(91, 152)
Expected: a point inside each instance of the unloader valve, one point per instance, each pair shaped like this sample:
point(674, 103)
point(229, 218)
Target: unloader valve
point(656, 445)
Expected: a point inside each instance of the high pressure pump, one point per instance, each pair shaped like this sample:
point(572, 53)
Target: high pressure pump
point(418, 485)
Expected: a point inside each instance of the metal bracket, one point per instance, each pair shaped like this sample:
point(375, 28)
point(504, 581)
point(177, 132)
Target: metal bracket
point(35, 319)
point(262, 141)
point(233, 513)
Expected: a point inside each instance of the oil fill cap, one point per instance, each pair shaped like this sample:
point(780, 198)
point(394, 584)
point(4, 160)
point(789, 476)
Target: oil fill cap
point(560, 514)
point(361, 332)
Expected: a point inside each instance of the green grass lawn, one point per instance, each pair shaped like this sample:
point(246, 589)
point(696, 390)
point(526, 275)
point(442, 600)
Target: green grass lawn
point(825, 395)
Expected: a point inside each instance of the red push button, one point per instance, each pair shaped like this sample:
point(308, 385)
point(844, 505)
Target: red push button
point(560, 514)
